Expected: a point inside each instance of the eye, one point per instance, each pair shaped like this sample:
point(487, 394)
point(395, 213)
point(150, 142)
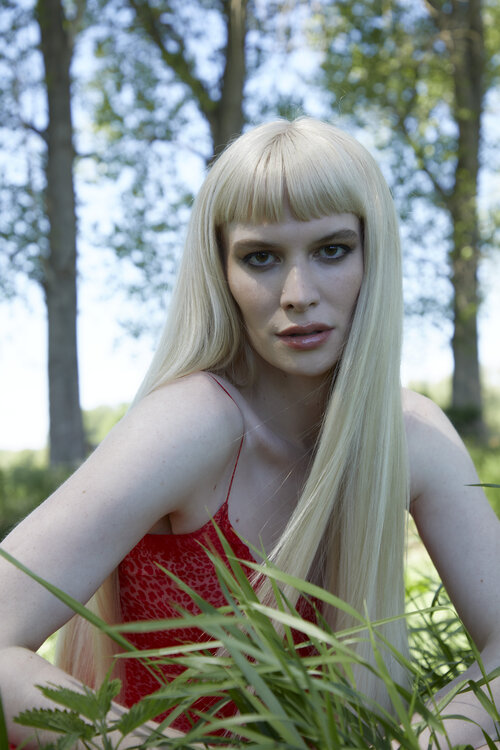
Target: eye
point(259, 259)
point(333, 252)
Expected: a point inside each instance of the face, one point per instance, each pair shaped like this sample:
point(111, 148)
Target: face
point(296, 284)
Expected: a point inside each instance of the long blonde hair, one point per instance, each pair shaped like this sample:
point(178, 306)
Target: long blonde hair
point(347, 531)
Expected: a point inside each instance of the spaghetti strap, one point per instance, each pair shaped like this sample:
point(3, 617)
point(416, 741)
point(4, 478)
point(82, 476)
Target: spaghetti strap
point(242, 437)
point(234, 468)
point(221, 386)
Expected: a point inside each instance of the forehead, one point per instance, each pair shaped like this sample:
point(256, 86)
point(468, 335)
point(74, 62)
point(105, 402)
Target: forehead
point(291, 231)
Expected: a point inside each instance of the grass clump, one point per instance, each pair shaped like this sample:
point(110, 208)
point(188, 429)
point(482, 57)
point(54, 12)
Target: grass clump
point(286, 697)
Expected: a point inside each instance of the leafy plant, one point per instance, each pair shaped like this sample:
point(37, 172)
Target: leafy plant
point(293, 690)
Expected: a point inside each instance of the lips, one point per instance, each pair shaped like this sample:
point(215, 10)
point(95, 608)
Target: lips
point(304, 330)
point(303, 338)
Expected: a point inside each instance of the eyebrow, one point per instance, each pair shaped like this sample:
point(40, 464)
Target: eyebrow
point(342, 235)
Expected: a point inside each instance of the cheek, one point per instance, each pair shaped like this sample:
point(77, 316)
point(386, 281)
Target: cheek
point(249, 296)
point(239, 291)
point(352, 287)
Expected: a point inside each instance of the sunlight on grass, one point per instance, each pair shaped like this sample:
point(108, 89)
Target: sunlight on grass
point(48, 649)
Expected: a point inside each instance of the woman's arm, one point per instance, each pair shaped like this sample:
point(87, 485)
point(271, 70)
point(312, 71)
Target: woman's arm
point(168, 447)
point(21, 694)
point(462, 535)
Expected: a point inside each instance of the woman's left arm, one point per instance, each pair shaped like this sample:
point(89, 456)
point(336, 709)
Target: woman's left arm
point(462, 535)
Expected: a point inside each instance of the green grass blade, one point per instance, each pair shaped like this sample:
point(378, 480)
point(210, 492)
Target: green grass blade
point(4, 740)
point(70, 602)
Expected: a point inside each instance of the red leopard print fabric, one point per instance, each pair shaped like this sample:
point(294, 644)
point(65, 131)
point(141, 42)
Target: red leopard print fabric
point(147, 593)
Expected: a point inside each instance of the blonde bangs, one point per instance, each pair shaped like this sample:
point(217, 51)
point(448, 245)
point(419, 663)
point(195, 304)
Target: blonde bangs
point(313, 177)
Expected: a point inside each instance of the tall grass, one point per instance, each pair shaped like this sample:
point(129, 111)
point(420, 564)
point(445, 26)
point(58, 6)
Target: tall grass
point(285, 699)
point(286, 696)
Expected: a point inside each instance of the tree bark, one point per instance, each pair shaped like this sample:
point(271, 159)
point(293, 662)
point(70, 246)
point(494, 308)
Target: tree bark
point(67, 444)
point(466, 41)
point(224, 115)
point(226, 121)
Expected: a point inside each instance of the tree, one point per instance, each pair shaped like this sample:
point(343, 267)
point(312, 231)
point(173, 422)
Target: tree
point(423, 70)
point(38, 213)
point(165, 89)
point(167, 86)
point(169, 91)
point(224, 110)
point(67, 443)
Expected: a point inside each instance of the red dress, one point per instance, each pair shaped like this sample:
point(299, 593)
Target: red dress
point(147, 593)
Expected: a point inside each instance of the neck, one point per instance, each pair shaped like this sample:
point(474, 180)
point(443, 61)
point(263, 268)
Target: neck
point(292, 407)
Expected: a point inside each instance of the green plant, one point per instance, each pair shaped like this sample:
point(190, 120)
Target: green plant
point(285, 698)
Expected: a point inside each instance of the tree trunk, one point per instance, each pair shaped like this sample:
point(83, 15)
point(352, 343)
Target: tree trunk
point(467, 56)
point(226, 121)
point(67, 444)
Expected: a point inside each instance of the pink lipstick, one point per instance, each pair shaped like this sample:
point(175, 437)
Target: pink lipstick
point(305, 337)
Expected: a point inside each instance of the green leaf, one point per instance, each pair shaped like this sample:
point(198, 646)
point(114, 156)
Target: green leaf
point(481, 697)
point(92, 705)
point(106, 693)
point(148, 708)
point(484, 484)
point(4, 740)
point(66, 742)
point(491, 745)
point(71, 602)
point(56, 721)
point(78, 702)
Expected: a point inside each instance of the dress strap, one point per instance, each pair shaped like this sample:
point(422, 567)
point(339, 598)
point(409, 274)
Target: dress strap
point(234, 468)
point(221, 386)
point(242, 437)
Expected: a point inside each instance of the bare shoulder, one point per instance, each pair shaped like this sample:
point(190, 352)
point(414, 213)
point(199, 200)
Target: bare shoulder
point(196, 400)
point(192, 420)
point(437, 454)
point(420, 410)
point(154, 458)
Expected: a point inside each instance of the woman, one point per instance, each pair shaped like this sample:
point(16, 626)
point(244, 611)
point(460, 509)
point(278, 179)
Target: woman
point(274, 398)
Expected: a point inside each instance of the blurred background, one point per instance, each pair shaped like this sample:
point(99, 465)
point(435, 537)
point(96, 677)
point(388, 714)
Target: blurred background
point(110, 112)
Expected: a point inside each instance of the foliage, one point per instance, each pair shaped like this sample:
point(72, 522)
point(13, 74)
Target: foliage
point(286, 699)
point(169, 85)
point(23, 224)
point(99, 421)
point(417, 76)
point(26, 479)
point(389, 67)
point(149, 80)
point(83, 717)
point(24, 484)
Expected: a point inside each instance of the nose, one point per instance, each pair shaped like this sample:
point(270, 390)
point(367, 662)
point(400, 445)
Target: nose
point(300, 290)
